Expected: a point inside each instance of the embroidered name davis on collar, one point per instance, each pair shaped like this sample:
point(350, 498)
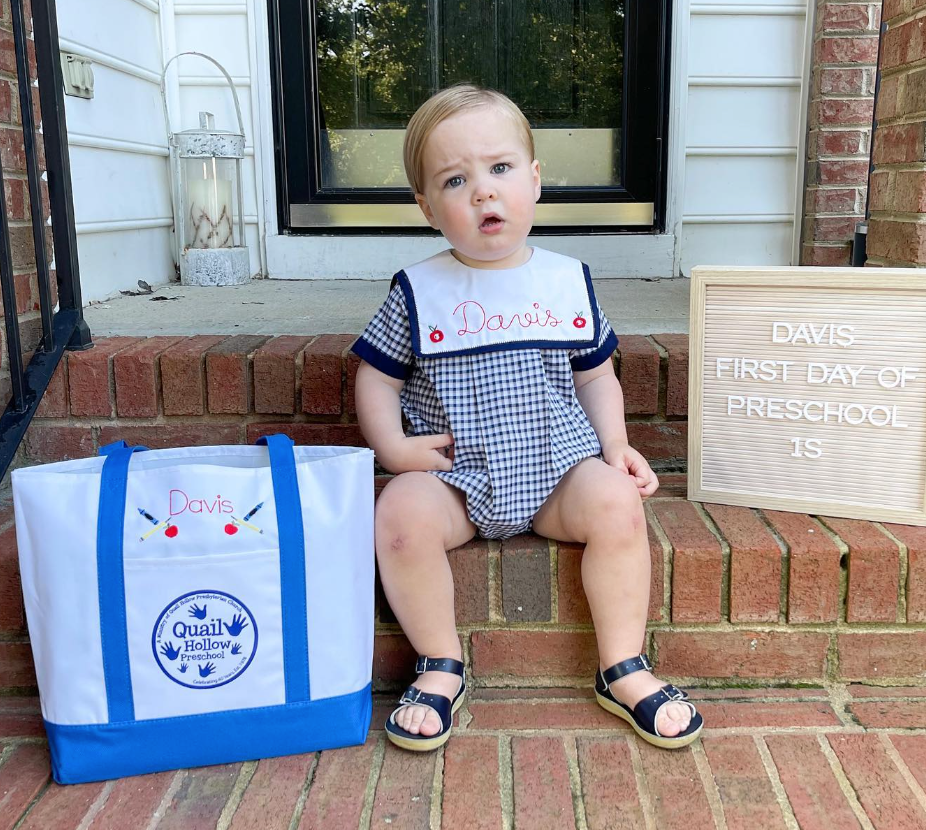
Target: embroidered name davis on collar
point(548, 302)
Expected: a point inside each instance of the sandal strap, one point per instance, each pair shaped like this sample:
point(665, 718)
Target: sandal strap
point(647, 709)
point(413, 696)
point(445, 664)
point(629, 666)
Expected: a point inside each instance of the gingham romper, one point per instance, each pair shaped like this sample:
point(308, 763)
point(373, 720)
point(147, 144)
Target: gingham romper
point(512, 409)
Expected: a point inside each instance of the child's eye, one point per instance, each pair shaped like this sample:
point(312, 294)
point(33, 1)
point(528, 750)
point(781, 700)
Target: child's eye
point(454, 181)
point(501, 167)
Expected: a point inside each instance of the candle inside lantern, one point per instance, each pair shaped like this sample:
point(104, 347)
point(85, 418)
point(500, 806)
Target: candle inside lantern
point(210, 215)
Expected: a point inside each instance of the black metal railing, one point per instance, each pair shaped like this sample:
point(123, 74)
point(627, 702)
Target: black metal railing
point(65, 328)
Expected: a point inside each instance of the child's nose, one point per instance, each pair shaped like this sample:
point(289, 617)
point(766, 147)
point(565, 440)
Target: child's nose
point(484, 190)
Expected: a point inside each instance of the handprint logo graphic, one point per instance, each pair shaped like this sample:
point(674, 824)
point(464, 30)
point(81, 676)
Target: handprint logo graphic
point(210, 630)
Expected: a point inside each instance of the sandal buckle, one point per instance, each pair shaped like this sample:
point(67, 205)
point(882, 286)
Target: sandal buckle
point(411, 698)
point(646, 663)
point(421, 666)
point(675, 694)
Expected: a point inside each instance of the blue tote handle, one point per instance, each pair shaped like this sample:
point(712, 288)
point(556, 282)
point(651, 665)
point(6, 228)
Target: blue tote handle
point(111, 577)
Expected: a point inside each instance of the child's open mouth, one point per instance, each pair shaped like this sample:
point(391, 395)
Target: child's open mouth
point(492, 224)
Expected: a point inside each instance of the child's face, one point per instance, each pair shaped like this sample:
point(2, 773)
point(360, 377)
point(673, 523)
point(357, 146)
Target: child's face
point(480, 187)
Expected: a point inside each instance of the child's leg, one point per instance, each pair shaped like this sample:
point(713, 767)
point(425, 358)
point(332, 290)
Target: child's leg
point(418, 519)
point(600, 506)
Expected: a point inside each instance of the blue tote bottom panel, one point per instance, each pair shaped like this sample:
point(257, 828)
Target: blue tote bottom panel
point(113, 750)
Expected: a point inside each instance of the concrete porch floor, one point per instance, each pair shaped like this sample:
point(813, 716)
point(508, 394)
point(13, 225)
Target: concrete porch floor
point(634, 306)
point(844, 756)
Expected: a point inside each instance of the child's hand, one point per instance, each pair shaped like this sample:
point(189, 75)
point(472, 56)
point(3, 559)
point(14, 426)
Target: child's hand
point(626, 459)
point(421, 453)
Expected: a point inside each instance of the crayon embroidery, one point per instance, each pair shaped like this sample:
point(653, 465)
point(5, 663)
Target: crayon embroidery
point(170, 530)
point(232, 527)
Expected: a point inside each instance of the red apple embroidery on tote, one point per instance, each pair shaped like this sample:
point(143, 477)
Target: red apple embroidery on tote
point(436, 334)
point(579, 322)
point(171, 531)
point(231, 529)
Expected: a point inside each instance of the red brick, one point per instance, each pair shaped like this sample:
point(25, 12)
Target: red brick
point(526, 579)
point(609, 786)
point(12, 151)
point(322, 365)
point(889, 103)
point(813, 587)
point(839, 171)
point(200, 798)
point(825, 254)
point(89, 376)
point(755, 564)
point(783, 655)
point(915, 540)
point(228, 374)
point(393, 660)
point(905, 714)
point(161, 436)
point(859, 690)
point(898, 143)
point(572, 603)
point(335, 801)
point(912, 749)
point(754, 714)
point(677, 795)
point(62, 807)
point(764, 692)
point(874, 571)
point(677, 384)
point(319, 435)
point(839, 17)
point(832, 199)
point(639, 375)
point(20, 717)
point(471, 794)
point(22, 777)
point(894, 8)
point(811, 787)
point(852, 50)
point(745, 789)
point(880, 655)
point(909, 192)
point(133, 801)
point(275, 368)
point(826, 228)
point(46, 443)
point(665, 442)
point(183, 385)
point(403, 792)
point(880, 788)
point(351, 365)
point(469, 564)
point(136, 375)
point(515, 714)
point(534, 653)
point(903, 44)
point(542, 793)
point(842, 81)
point(880, 191)
point(901, 241)
point(841, 111)
point(54, 403)
point(697, 562)
point(12, 616)
point(269, 802)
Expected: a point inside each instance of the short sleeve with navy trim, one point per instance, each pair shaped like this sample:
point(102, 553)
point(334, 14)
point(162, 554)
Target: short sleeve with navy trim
point(386, 342)
point(582, 360)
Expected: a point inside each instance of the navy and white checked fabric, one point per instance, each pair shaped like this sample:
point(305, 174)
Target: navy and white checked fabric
point(516, 422)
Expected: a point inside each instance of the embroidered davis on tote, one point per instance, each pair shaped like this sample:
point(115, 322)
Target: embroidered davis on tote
point(198, 606)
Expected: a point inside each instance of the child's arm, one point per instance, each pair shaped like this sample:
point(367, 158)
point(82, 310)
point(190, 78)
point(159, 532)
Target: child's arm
point(600, 395)
point(380, 417)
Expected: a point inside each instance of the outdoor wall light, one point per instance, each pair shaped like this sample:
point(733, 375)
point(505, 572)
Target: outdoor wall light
point(207, 196)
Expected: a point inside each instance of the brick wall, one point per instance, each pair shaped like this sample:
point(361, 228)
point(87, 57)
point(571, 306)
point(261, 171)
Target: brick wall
point(16, 193)
point(738, 595)
point(845, 50)
point(897, 235)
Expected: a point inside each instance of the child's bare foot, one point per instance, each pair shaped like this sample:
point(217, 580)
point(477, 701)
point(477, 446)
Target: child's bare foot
point(420, 719)
point(673, 719)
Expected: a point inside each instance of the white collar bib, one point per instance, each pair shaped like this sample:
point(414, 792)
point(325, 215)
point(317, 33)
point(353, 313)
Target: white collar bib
point(548, 302)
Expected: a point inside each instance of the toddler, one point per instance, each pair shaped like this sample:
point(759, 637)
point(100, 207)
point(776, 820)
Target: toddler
point(500, 358)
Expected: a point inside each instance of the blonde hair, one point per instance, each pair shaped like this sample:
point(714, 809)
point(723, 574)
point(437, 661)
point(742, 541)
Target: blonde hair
point(441, 106)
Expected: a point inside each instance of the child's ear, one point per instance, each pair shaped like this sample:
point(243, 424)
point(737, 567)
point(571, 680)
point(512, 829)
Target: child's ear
point(422, 201)
point(535, 172)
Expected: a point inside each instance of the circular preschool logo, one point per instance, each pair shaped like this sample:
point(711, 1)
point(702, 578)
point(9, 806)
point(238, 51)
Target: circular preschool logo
point(204, 639)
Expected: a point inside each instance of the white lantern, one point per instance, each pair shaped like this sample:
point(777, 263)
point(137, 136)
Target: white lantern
point(207, 197)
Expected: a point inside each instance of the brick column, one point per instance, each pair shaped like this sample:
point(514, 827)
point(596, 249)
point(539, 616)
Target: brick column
point(897, 231)
point(839, 125)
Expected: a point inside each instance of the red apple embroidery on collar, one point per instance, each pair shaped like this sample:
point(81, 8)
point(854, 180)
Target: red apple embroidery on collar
point(579, 322)
point(436, 334)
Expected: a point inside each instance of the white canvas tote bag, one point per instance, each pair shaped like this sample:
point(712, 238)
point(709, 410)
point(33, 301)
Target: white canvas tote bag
point(200, 605)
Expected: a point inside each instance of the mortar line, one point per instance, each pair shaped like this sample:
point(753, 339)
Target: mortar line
point(166, 800)
point(437, 790)
point(6, 752)
point(726, 559)
point(553, 548)
point(777, 787)
point(666, 608)
point(785, 587)
point(840, 700)
point(575, 781)
point(304, 793)
point(844, 554)
point(643, 793)
point(709, 785)
point(844, 784)
point(505, 781)
point(99, 802)
point(379, 752)
point(903, 574)
point(245, 774)
point(496, 612)
point(31, 806)
point(903, 769)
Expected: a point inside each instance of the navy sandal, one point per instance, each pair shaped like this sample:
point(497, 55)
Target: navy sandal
point(444, 707)
point(643, 716)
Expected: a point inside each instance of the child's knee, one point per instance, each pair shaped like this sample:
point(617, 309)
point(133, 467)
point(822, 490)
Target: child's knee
point(402, 527)
point(618, 508)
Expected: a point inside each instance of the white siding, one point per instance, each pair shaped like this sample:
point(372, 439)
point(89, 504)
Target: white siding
point(745, 122)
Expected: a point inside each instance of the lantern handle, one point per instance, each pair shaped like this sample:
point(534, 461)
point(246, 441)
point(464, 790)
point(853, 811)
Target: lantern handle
point(221, 68)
